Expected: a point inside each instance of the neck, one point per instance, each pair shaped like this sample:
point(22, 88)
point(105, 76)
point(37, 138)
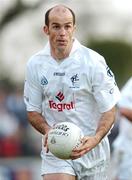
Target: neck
point(60, 54)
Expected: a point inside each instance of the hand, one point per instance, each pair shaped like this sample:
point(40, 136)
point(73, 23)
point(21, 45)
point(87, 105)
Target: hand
point(45, 139)
point(87, 144)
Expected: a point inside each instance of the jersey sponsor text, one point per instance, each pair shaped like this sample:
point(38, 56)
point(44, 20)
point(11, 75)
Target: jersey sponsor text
point(61, 106)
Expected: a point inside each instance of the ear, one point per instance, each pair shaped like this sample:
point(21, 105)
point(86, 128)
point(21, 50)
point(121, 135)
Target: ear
point(46, 30)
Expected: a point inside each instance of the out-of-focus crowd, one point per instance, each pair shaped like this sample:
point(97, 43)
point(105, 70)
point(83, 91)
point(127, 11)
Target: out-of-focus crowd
point(17, 137)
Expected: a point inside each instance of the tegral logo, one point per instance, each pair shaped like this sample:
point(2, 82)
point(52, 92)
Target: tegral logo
point(60, 96)
point(61, 106)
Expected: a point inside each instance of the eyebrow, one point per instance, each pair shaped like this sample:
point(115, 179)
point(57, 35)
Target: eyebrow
point(55, 23)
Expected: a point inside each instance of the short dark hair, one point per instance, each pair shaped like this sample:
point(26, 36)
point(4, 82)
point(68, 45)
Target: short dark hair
point(48, 12)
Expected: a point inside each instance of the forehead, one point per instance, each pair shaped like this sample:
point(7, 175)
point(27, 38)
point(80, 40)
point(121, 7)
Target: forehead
point(60, 15)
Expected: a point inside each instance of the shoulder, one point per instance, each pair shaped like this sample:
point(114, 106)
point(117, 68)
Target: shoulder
point(91, 57)
point(36, 60)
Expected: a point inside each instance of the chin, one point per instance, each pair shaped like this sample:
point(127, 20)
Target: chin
point(62, 48)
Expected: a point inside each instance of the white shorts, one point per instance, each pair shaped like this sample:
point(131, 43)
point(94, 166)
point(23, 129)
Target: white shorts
point(93, 166)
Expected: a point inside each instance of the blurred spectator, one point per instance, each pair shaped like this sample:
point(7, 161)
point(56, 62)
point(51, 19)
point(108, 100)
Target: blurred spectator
point(20, 173)
point(6, 173)
point(9, 130)
point(122, 153)
point(23, 174)
point(15, 104)
point(16, 136)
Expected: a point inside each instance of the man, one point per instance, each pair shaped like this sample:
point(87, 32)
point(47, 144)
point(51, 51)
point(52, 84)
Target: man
point(69, 82)
point(122, 152)
point(126, 112)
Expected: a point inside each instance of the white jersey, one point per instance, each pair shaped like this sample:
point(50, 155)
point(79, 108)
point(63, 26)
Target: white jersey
point(78, 89)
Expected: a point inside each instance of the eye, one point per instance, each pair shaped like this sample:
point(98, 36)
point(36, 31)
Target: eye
point(67, 27)
point(56, 27)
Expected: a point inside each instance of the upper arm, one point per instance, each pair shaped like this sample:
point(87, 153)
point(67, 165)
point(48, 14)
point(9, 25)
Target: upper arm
point(105, 90)
point(32, 90)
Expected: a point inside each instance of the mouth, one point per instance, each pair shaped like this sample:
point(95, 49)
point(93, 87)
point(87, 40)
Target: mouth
point(62, 42)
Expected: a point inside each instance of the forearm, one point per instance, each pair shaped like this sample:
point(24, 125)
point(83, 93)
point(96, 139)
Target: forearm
point(38, 122)
point(89, 142)
point(127, 113)
point(105, 124)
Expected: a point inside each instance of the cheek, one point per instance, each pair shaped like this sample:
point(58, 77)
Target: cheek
point(52, 37)
point(70, 35)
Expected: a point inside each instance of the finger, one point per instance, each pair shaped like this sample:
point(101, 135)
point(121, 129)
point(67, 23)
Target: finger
point(45, 143)
point(81, 148)
point(47, 149)
point(84, 139)
point(45, 140)
point(78, 155)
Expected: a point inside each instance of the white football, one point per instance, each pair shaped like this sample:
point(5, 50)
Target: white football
point(63, 138)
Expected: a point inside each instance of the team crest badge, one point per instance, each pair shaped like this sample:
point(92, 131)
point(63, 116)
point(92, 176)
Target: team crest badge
point(44, 81)
point(75, 81)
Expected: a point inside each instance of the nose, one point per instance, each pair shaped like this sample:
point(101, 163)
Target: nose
point(62, 31)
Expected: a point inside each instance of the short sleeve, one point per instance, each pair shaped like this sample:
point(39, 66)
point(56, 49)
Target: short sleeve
point(32, 90)
point(105, 90)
